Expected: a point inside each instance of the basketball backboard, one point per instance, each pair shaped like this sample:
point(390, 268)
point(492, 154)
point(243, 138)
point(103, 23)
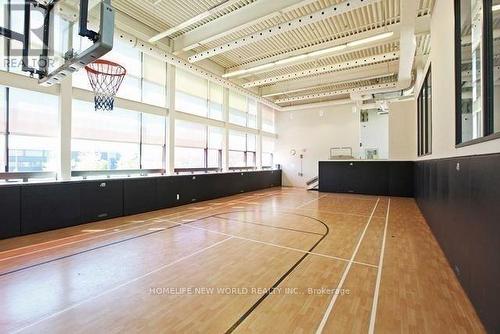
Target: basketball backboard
point(54, 38)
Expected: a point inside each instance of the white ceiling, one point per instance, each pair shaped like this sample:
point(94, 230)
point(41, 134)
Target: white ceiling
point(217, 24)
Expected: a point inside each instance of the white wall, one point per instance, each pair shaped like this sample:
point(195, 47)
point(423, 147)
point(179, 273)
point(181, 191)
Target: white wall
point(307, 130)
point(375, 134)
point(403, 130)
point(442, 60)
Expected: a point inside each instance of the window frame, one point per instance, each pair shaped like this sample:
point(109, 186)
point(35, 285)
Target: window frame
point(424, 116)
point(488, 78)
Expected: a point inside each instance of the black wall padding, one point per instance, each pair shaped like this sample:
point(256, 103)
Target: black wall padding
point(460, 199)
point(101, 200)
point(31, 208)
point(382, 178)
point(49, 206)
point(10, 209)
point(139, 195)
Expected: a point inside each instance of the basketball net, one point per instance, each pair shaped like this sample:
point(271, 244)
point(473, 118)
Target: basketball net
point(105, 78)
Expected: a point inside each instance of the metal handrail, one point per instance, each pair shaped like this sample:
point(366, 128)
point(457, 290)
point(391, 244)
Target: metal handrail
point(242, 168)
point(195, 170)
point(316, 179)
point(122, 172)
point(26, 176)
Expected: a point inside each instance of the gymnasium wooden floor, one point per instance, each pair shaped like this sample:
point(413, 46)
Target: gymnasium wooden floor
point(281, 260)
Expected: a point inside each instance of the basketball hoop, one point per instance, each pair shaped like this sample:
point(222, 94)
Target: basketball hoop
point(105, 78)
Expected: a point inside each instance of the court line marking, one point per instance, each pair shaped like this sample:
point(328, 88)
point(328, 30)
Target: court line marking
point(266, 225)
point(53, 315)
point(131, 222)
point(311, 201)
point(373, 316)
point(87, 250)
point(344, 275)
point(269, 243)
point(96, 236)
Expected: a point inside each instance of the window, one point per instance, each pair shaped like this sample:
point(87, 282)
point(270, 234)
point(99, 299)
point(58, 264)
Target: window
point(216, 101)
point(154, 81)
point(130, 58)
point(190, 141)
point(268, 145)
point(33, 124)
point(424, 116)
point(153, 141)
point(252, 113)
point(268, 119)
point(105, 140)
point(237, 109)
point(3, 129)
point(191, 93)
point(477, 47)
point(242, 150)
point(197, 145)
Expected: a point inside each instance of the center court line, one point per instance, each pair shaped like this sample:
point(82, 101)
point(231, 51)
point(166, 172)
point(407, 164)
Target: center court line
point(344, 276)
point(271, 244)
point(373, 316)
point(53, 315)
point(96, 236)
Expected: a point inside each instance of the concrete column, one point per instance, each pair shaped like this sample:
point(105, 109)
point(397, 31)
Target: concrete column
point(64, 140)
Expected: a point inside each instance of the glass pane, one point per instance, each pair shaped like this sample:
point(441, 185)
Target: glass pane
point(216, 101)
point(119, 125)
point(153, 129)
point(191, 93)
point(251, 143)
point(103, 155)
point(471, 14)
point(237, 108)
point(2, 153)
point(267, 119)
point(496, 57)
point(107, 140)
point(236, 159)
point(33, 123)
point(153, 93)
point(155, 70)
point(251, 159)
point(237, 141)
point(188, 134)
point(188, 157)
point(32, 153)
point(215, 137)
point(237, 117)
point(152, 156)
point(33, 113)
point(252, 113)
point(214, 157)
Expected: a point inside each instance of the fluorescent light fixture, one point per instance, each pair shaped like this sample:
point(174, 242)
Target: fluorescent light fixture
point(370, 39)
point(291, 59)
point(309, 55)
point(329, 50)
point(494, 8)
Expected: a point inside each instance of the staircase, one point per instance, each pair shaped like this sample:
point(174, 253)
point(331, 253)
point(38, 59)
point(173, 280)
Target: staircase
point(313, 184)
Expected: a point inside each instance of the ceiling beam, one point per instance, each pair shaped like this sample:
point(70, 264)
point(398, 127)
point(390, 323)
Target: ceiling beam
point(422, 26)
point(322, 14)
point(242, 18)
point(336, 92)
point(325, 69)
point(355, 74)
point(194, 20)
point(317, 105)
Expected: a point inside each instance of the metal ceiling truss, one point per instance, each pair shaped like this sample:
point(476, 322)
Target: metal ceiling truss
point(302, 21)
point(336, 92)
point(324, 69)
